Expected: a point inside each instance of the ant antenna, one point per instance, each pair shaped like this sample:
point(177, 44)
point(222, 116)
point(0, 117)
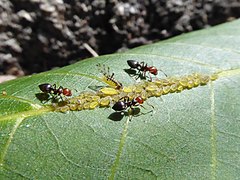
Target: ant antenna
point(163, 72)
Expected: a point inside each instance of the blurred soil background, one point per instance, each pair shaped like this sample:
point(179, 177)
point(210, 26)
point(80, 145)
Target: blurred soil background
point(38, 35)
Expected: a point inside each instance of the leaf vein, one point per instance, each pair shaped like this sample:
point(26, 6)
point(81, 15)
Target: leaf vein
point(120, 149)
point(5, 149)
point(213, 138)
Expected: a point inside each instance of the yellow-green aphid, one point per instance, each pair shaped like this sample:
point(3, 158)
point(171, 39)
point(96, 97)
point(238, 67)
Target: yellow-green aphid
point(190, 77)
point(144, 95)
point(107, 78)
point(204, 80)
point(104, 102)
point(127, 89)
point(196, 75)
point(112, 82)
point(92, 98)
point(151, 88)
point(165, 82)
point(190, 84)
point(196, 82)
point(173, 88)
point(158, 82)
point(93, 105)
point(180, 88)
point(213, 77)
point(63, 109)
point(80, 107)
point(86, 105)
point(173, 80)
point(166, 89)
point(159, 92)
point(73, 107)
point(107, 91)
point(138, 89)
point(4, 92)
point(76, 100)
point(184, 81)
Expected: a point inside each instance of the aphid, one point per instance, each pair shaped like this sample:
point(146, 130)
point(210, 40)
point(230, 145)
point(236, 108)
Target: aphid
point(108, 78)
point(107, 91)
point(4, 92)
point(125, 103)
point(53, 90)
point(143, 68)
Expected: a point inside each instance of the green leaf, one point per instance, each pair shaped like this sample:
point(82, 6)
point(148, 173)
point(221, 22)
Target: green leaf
point(194, 134)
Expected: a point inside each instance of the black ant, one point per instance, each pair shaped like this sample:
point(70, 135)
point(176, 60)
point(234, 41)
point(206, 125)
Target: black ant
point(108, 78)
point(143, 68)
point(123, 105)
point(53, 90)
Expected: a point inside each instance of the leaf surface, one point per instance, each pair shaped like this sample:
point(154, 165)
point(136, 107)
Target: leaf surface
point(191, 135)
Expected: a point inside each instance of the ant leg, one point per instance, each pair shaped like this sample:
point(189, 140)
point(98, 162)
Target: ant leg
point(111, 77)
point(125, 98)
point(53, 88)
point(144, 113)
point(108, 70)
point(149, 75)
point(139, 74)
point(142, 65)
point(61, 97)
point(99, 68)
point(146, 108)
point(102, 69)
point(144, 74)
point(121, 98)
point(130, 113)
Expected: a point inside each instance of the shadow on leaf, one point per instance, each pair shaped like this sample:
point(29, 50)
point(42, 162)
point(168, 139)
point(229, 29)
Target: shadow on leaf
point(118, 116)
point(133, 73)
point(44, 98)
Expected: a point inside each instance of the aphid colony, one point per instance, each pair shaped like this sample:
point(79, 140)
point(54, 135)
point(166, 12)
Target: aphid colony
point(122, 98)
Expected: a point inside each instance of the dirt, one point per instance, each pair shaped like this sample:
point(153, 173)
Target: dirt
point(38, 35)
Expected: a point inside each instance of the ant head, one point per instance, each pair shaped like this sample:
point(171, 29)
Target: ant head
point(153, 70)
point(139, 99)
point(133, 63)
point(67, 92)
